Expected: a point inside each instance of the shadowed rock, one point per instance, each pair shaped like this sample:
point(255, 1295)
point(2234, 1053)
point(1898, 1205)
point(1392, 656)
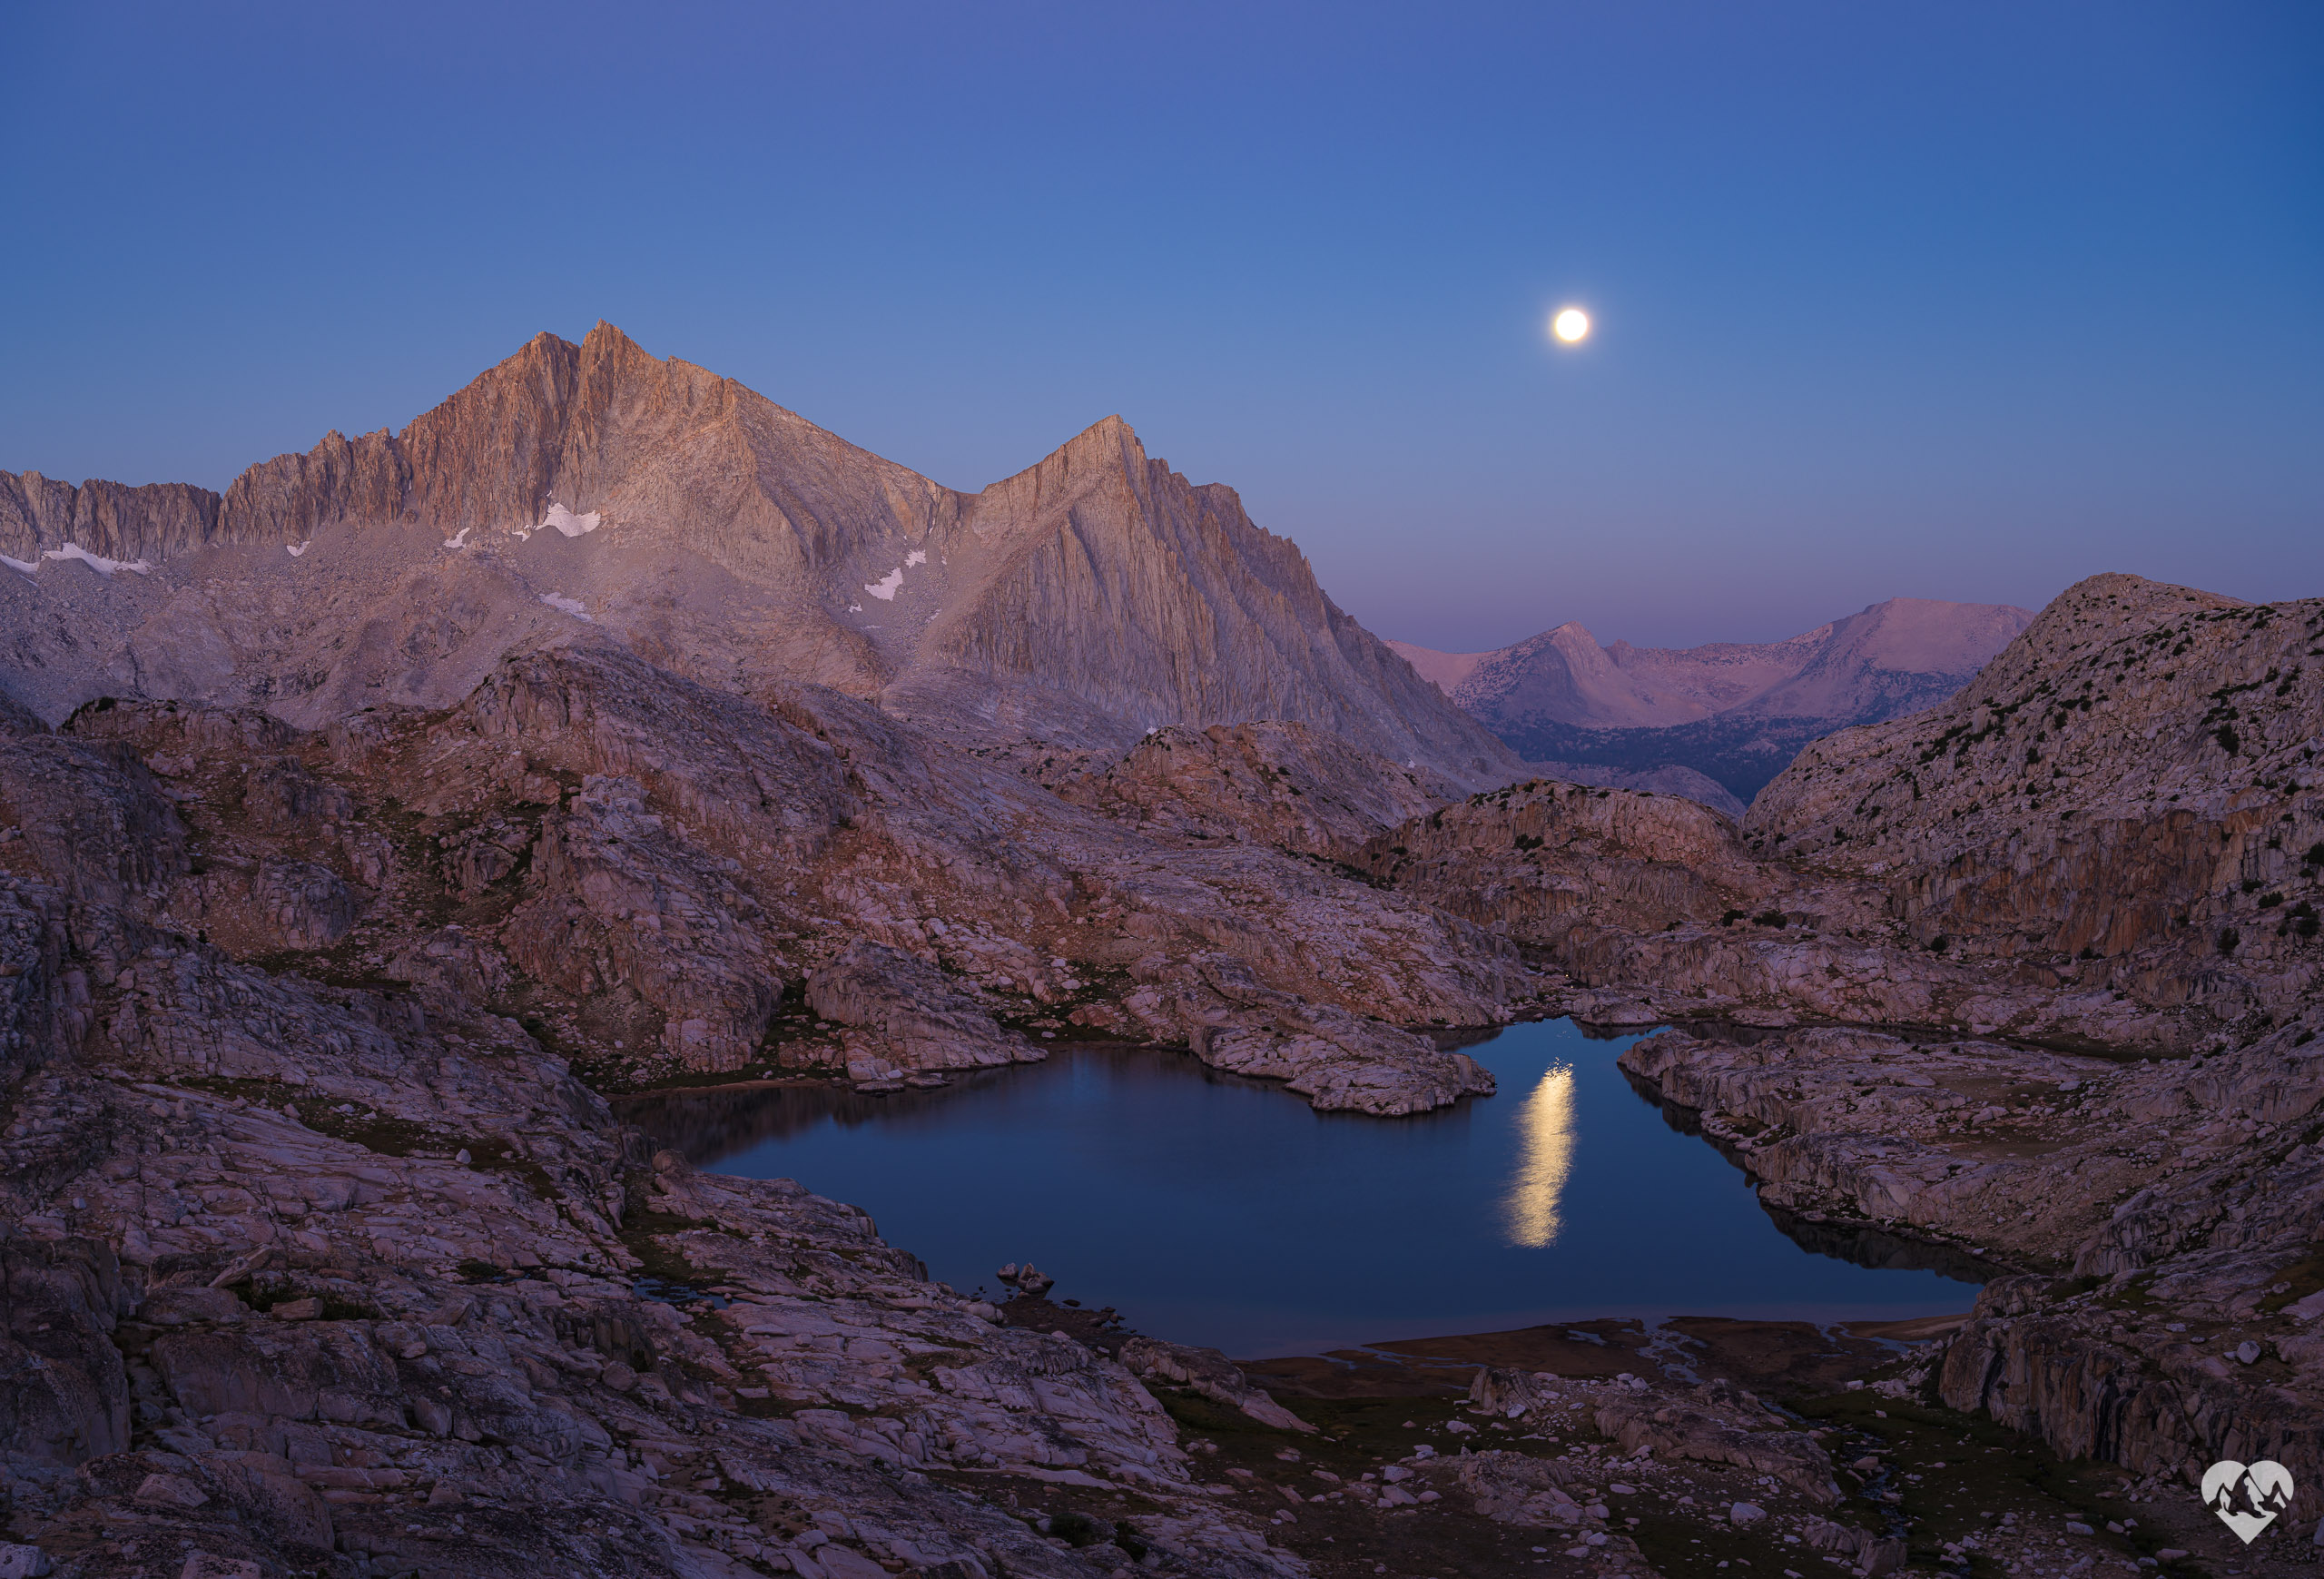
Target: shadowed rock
point(1210, 1373)
point(909, 1018)
point(1716, 1426)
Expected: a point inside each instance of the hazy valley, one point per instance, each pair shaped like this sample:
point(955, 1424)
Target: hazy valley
point(1733, 714)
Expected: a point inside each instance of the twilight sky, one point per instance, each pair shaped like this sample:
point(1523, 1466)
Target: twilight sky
point(1956, 301)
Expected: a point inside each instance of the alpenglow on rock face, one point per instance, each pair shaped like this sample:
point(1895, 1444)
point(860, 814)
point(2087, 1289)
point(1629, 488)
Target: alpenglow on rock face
point(1081, 602)
point(1733, 712)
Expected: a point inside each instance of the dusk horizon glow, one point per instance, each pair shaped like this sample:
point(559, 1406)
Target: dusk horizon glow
point(1960, 305)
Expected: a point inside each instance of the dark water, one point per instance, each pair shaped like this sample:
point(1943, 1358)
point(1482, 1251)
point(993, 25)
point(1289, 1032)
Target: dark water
point(1216, 1210)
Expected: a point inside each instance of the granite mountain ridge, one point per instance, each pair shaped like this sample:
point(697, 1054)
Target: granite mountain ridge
point(1079, 603)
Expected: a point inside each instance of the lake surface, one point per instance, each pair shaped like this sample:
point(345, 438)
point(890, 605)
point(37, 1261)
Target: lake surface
point(1212, 1210)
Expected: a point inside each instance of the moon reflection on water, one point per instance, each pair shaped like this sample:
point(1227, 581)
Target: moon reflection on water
point(1545, 1156)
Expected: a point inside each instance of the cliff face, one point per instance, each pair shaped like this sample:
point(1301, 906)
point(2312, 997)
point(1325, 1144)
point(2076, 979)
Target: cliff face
point(2184, 1203)
point(108, 519)
point(1103, 574)
point(489, 453)
point(1084, 601)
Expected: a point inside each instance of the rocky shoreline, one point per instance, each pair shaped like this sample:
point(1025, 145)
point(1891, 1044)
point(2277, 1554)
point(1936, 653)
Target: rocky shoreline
point(2159, 1219)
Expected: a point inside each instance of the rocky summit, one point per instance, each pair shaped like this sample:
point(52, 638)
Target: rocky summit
point(1076, 604)
point(363, 828)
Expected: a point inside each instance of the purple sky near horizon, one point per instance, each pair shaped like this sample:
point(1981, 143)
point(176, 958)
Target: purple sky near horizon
point(1960, 301)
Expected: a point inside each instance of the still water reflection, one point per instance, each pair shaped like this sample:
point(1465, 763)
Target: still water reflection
point(1545, 1131)
point(1217, 1210)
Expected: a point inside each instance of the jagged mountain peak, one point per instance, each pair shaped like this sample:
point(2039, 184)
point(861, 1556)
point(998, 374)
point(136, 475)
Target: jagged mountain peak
point(1092, 595)
point(1107, 451)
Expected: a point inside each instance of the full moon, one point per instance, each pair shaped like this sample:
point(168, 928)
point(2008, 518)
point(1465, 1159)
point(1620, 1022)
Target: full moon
point(1571, 326)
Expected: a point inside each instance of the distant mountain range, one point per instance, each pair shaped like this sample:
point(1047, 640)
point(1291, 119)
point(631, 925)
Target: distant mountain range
point(1719, 721)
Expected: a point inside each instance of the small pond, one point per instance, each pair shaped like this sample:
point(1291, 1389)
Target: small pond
point(1216, 1210)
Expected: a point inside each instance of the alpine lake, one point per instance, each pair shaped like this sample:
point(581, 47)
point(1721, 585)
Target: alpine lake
point(1221, 1211)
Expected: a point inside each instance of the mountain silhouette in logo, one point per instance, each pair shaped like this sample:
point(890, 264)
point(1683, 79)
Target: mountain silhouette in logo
point(2248, 1498)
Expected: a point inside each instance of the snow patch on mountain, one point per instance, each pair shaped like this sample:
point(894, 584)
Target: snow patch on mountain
point(565, 523)
point(97, 562)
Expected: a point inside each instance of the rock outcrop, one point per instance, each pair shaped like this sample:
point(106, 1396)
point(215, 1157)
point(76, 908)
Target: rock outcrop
point(1541, 859)
point(648, 870)
point(1707, 1429)
point(1284, 784)
point(2156, 1222)
point(1654, 908)
point(1670, 779)
point(1211, 1373)
point(910, 1020)
point(350, 1278)
point(2128, 795)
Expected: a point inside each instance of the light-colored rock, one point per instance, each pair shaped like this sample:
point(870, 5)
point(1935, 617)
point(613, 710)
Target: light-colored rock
point(1518, 1488)
point(2077, 811)
point(1285, 784)
point(1511, 1394)
point(1211, 1373)
point(909, 1017)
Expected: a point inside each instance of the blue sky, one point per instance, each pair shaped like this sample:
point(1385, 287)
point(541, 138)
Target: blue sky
point(1954, 301)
